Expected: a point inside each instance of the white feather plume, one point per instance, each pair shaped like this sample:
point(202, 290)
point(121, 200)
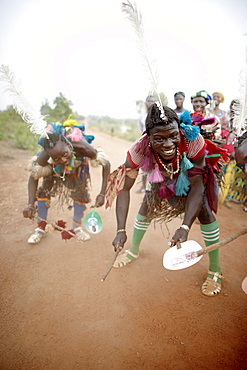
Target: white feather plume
point(34, 120)
point(135, 18)
point(240, 106)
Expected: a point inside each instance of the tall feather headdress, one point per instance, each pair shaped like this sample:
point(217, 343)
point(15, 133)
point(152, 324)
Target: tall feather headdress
point(239, 107)
point(11, 85)
point(135, 17)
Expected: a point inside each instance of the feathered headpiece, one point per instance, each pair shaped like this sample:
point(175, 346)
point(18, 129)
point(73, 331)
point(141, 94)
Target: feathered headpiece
point(239, 107)
point(34, 120)
point(135, 17)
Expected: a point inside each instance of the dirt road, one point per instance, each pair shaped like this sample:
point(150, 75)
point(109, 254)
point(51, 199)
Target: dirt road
point(57, 314)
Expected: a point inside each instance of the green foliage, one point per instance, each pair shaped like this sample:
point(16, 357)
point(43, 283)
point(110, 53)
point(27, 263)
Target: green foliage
point(15, 130)
point(60, 112)
point(12, 128)
point(45, 109)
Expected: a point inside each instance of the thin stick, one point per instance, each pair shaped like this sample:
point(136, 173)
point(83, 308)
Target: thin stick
point(220, 244)
point(111, 265)
point(56, 226)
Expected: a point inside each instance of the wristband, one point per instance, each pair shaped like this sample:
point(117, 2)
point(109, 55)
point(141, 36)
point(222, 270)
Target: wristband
point(185, 227)
point(121, 230)
point(102, 194)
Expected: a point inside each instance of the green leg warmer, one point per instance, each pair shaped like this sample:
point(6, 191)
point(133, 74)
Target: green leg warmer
point(210, 235)
point(140, 227)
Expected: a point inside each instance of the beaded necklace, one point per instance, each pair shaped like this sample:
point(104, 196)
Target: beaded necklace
point(169, 168)
point(70, 167)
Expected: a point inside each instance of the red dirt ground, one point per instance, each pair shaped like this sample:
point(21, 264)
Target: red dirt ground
point(57, 314)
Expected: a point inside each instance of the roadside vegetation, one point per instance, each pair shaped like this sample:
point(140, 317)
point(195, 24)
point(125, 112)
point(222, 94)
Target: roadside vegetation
point(15, 131)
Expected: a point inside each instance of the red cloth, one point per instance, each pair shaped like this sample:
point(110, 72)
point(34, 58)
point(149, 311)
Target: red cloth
point(210, 184)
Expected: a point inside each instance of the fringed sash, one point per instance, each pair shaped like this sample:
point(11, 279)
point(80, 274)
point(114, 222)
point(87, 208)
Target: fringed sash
point(116, 182)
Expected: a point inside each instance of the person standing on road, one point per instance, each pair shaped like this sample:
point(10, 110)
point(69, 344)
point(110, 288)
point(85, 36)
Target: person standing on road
point(181, 181)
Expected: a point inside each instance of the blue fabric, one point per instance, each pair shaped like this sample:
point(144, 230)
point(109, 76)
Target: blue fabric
point(182, 184)
point(78, 213)
point(185, 118)
point(190, 131)
point(42, 209)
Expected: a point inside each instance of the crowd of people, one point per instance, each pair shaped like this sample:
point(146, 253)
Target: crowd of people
point(181, 155)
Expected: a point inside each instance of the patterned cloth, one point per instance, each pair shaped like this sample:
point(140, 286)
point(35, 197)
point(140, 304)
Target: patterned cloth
point(116, 182)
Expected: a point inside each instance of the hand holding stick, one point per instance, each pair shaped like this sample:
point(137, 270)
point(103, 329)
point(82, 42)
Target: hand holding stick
point(111, 264)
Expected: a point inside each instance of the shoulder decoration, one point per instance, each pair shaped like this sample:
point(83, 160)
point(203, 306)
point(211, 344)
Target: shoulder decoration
point(38, 171)
point(190, 131)
point(101, 158)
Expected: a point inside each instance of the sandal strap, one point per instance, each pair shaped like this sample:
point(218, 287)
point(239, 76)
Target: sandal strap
point(39, 230)
point(132, 254)
point(216, 275)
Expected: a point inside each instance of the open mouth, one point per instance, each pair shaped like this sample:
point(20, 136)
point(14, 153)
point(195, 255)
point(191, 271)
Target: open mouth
point(168, 152)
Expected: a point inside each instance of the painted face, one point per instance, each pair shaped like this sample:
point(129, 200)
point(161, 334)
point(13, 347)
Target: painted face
point(150, 100)
point(199, 103)
point(61, 154)
point(179, 99)
point(165, 140)
point(217, 98)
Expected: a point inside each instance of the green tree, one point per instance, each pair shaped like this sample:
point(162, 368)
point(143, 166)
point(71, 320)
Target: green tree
point(62, 108)
point(45, 109)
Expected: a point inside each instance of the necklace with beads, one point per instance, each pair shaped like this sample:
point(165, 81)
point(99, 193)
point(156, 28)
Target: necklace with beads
point(169, 167)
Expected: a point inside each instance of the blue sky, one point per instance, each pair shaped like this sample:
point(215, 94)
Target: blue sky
point(87, 50)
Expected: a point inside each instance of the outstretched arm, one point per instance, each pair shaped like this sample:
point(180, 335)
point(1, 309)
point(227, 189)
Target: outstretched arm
point(122, 208)
point(100, 199)
point(30, 210)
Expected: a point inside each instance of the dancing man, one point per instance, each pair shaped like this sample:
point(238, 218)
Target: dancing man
point(64, 166)
point(180, 181)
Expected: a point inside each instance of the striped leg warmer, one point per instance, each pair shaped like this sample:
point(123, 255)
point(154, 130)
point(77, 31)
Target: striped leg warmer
point(211, 236)
point(140, 227)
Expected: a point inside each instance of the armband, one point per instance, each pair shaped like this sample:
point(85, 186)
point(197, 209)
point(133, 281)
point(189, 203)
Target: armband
point(185, 227)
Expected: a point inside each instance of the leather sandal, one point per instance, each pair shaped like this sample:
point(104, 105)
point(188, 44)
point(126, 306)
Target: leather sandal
point(81, 236)
point(211, 287)
point(123, 260)
point(36, 236)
